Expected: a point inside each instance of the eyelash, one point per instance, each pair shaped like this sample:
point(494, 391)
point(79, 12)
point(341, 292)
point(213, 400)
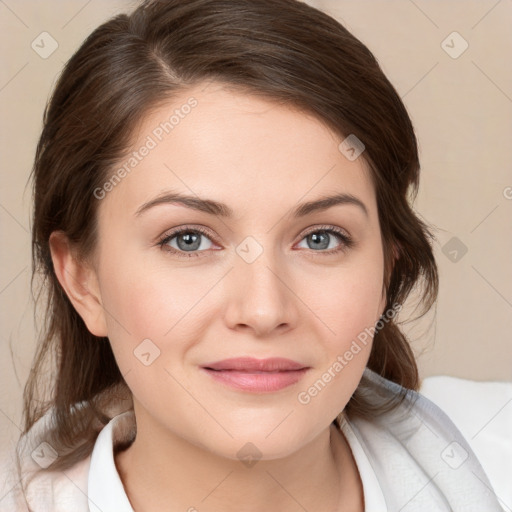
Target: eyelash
point(346, 241)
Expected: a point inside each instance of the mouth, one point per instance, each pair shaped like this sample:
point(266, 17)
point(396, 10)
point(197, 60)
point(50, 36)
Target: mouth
point(256, 375)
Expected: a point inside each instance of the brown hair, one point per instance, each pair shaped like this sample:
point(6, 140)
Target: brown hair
point(282, 50)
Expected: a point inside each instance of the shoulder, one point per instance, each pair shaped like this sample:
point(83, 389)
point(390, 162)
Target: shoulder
point(419, 456)
point(28, 485)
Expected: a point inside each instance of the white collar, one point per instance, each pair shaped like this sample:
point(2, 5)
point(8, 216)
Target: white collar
point(374, 500)
point(105, 488)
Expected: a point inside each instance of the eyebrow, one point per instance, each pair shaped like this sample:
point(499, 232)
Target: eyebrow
point(223, 210)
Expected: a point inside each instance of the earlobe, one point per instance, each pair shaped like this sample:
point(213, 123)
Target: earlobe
point(80, 282)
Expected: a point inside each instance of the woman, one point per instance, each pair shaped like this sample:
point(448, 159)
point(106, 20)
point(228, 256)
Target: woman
point(222, 217)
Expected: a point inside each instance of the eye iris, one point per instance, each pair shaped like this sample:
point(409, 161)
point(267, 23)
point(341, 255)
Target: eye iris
point(190, 240)
point(320, 237)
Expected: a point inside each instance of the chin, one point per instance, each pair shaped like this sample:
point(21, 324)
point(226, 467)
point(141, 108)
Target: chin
point(252, 441)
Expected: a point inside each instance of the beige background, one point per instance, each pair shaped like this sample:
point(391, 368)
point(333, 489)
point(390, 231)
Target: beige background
point(462, 111)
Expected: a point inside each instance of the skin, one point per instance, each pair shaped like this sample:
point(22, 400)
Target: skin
point(261, 159)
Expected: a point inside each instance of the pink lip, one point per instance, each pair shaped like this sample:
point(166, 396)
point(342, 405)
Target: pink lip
point(256, 375)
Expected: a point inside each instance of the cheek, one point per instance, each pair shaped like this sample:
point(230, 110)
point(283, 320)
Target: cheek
point(151, 327)
point(325, 393)
point(143, 301)
point(145, 304)
point(352, 300)
point(350, 306)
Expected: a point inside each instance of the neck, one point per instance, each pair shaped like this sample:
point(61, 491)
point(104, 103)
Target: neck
point(161, 471)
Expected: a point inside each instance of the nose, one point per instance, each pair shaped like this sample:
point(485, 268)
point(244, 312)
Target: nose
point(261, 296)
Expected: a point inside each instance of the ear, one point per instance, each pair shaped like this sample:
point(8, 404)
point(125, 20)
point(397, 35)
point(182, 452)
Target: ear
point(80, 282)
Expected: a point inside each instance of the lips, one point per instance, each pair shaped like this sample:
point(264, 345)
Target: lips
point(256, 375)
point(249, 364)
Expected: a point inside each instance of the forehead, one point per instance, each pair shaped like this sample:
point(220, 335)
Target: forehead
point(241, 149)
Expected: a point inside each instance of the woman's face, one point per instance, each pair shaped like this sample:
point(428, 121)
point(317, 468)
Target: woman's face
point(265, 278)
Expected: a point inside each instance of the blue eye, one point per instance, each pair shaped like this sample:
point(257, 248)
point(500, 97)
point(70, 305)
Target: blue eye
point(322, 237)
point(189, 241)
